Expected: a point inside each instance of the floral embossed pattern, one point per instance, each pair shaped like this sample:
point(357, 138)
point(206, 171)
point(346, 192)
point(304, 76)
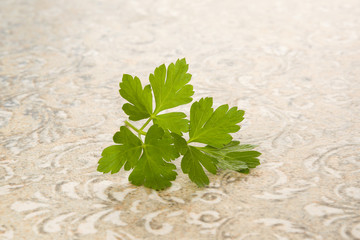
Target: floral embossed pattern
point(293, 66)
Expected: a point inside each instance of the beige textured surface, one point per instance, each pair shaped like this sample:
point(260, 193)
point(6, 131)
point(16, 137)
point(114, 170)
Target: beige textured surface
point(294, 66)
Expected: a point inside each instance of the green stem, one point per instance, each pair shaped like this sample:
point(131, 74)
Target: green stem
point(139, 131)
point(147, 122)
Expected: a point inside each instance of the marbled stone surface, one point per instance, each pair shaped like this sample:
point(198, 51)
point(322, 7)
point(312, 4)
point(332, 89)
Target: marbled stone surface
point(293, 66)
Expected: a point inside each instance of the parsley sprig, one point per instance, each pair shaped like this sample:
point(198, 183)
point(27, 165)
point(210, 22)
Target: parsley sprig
point(149, 154)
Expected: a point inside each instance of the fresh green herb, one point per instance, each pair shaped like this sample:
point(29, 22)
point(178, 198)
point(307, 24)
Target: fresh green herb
point(150, 153)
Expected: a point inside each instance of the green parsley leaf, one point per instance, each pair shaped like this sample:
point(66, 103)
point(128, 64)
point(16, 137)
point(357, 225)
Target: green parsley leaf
point(128, 153)
point(174, 122)
point(153, 169)
point(234, 156)
point(180, 143)
point(192, 164)
point(173, 91)
point(151, 158)
point(213, 127)
point(233, 146)
point(140, 99)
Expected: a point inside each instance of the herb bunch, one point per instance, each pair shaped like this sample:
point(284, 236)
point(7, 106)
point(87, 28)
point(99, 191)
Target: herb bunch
point(149, 151)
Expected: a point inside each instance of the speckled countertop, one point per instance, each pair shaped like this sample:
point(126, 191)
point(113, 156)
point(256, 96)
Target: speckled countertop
point(293, 66)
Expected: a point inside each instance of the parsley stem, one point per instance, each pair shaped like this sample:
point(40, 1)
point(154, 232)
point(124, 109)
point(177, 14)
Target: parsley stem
point(139, 131)
point(146, 123)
